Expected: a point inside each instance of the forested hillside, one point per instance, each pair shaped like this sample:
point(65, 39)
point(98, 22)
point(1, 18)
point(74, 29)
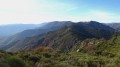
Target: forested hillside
point(83, 44)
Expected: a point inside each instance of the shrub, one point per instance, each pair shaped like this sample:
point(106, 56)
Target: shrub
point(4, 65)
point(16, 62)
point(34, 58)
point(46, 55)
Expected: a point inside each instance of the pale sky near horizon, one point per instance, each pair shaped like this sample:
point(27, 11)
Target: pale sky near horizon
point(39, 11)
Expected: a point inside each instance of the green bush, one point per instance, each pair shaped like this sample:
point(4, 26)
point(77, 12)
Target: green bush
point(4, 65)
point(34, 58)
point(46, 55)
point(16, 62)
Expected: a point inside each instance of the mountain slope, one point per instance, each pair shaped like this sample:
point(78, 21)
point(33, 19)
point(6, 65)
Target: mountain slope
point(114, 25)
point(7, 30)
point(52, 26)
point(65, 38)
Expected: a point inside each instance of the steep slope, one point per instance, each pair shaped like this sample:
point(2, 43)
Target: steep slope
point(65, 38)
point(85, 48)
point(89, 53)
point(52, 26)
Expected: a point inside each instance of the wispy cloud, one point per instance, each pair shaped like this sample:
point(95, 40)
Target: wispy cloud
point(36, 11)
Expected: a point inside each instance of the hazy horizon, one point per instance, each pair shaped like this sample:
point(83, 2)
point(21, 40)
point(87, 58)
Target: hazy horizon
point(6, 24)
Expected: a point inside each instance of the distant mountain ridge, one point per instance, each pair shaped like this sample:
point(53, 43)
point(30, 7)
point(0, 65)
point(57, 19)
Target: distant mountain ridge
point(114, 25)
point(62, 35)
point(11, 29)
point(52, 26)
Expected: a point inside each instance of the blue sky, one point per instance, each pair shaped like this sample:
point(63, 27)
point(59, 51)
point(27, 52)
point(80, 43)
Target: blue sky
point(39, 11)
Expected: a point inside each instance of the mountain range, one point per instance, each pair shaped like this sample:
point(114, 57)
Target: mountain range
point(11, 29)
point(62, 35)
point(62, 44)
point(114, 25)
